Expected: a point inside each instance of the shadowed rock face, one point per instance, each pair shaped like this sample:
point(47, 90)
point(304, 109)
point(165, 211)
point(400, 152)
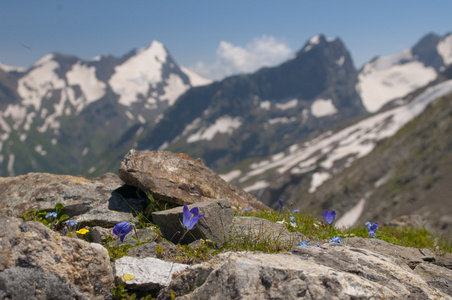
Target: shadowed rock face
point(179, 179)
point(101, 201)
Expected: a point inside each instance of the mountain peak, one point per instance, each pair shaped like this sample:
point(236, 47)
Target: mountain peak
point(318, 39)
point(154, 48)
point(46, 58)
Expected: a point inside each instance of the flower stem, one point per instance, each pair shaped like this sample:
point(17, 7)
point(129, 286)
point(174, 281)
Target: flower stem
point(182, 237)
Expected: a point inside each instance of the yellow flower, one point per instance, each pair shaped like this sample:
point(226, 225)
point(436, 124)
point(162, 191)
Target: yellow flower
point(82, 231)
point(128, 276)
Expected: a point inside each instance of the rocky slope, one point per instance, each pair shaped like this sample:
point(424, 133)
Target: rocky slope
point(37, 262)
point(405, 174)
point(356, 166)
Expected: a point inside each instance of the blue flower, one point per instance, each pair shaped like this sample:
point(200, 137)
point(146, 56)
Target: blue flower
point(317, 245)
point(190, 218)
point(292, 219)
point(245, 210)
point(329, 216)
point(336, 240)
point(372, 228)
point(122, 229)
point(303, 244)
point(71, 223)
point(251, 208)
point(296, 211)
point(52, 214)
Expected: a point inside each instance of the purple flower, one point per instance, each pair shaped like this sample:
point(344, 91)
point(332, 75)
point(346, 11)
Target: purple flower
point(303, 244)
point(122, 229)
point(281, 203)
point(190, 218)
point(372, 228)
point(329, 216)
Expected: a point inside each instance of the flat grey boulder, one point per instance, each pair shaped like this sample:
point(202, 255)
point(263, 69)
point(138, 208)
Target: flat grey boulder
point(100, 201)
point(144, 274)
point(331, 271)
point(177, 178)
point(215, 225)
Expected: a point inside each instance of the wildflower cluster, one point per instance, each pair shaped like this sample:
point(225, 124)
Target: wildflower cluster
point(329, 218)
point(247, 210)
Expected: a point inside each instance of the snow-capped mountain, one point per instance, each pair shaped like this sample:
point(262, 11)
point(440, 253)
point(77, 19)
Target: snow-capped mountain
point(253, 115)
point(391, 77)
point(57, 103)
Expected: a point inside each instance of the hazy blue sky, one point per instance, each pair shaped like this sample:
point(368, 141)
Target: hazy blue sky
point(215, 38)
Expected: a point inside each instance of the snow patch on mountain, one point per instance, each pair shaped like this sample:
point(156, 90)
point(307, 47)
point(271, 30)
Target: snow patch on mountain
point(444, 49)
point(317, 179)
point(35, 85)
point(258, 185)
point(40, 150)
point(85, 77)
point(17, 114)
point(138, 73)
point(287, 105)
point(231, 175)
point(324, 152)
point(390, 77)
point(323, 107)
point(7, 68)
point(44, 59)
point(340, 61)
point(312, 42)
point(225, 124)
point(282, 120)
point(195, 79)
point(350, 217)
point(174, 88)
point(265, 105)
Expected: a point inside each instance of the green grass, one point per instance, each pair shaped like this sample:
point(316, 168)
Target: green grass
point(316, 230)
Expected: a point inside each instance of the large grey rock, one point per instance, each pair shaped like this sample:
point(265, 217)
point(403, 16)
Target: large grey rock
point(26, 283)
point(145, 273)
point(70, 264)
point(403, 255)
point(162, 250)
point(101, 201)
point(215, 225)
point(331, 271)
point(179, 179)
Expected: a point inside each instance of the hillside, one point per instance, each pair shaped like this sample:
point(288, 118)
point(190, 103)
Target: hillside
point(406, 174)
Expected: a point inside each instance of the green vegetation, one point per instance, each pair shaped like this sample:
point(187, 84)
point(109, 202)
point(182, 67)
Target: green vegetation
point(317, 231)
